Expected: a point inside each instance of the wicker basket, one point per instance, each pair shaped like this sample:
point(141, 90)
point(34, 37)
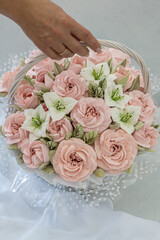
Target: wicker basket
point(104, 43)
point(42, 56)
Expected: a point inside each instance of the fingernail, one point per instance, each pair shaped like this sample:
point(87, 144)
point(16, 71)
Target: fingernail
point(99, 50)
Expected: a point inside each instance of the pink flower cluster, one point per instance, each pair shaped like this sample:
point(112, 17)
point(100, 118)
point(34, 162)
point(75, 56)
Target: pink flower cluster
point(74, 158)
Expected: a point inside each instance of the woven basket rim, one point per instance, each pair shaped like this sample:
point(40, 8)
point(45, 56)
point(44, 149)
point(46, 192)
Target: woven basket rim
point(104, 43)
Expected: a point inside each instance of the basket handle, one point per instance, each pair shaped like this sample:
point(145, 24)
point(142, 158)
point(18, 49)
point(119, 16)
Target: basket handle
point(104, 43)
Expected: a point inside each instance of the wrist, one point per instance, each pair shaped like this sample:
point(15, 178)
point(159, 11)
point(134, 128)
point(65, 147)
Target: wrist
point(16, 9)
point(10, 8)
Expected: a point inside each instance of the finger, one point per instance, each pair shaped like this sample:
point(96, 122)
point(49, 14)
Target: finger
point(76, 47)
point(59, 48)
point(66, 53)
point(86, 36)
point(52, 54)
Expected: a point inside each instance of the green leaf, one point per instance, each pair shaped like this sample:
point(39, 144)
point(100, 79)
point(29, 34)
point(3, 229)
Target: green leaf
point(66, 63)
point(123, 81)
point(110, 64)
point(90, 137)
point(114, 126)
point(138, 125)
point(16, 107)
point(95, 91)
point(48, 136)
point(129, 170)
point(22, 63)
point(50, 74)
point(68, 118)
point(149, 150)
point(135, 84)
point(78, 131)
point(49, 169)
point(155, 126)
point(99, 93)
point(57, 69)
point(68, 135)
point(20, 158)
point(44, 165)
point(142, 149)
point(29, 80)
point(3, 94)
point(20, 161)
point(92, 89)
point(1, 131)
point(52, 144)
point(102, 84)
point(12, 147)
point(39, 95)
point(44, 89)
point(46, 139)
point(123, 63)
point(51, 155)
point(20, 155)
point(99, 172)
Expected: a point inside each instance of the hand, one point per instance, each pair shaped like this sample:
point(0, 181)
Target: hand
point(51, 29)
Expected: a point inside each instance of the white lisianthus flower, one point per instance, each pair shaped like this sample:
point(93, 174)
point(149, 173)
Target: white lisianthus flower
point(95, 73)
point(37, 121)
point(126, 118)
point(114, 96)
point(58, 106)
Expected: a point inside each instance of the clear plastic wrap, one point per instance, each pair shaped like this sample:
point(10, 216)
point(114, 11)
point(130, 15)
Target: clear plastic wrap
point(39, 193)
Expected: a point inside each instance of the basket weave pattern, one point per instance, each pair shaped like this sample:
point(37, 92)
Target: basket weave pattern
point(104, 43)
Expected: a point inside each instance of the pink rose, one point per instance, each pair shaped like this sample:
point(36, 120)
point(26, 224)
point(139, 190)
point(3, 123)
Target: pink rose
point(77, 63)
point(57, 130)
point(43, 80)
point(92, 113)
point(146, 136)
point(23, 144)
point(118, 56)
point(116, 151)
point(41, 69)
point(102, 57)
point(41, 64)
point(74, 160)
point(25, 97)
point(68, 84)
point(6, 81)
point(12, 128)
point(35, 153)
point(40, 74)
point(122, 72)
point(146, 103)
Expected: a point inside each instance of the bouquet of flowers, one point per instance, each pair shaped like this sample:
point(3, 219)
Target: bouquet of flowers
point(79, 116)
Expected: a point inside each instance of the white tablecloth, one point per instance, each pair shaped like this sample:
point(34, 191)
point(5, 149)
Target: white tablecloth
point(19, 221)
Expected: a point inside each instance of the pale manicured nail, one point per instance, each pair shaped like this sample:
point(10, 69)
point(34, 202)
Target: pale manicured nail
point(99, 50)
